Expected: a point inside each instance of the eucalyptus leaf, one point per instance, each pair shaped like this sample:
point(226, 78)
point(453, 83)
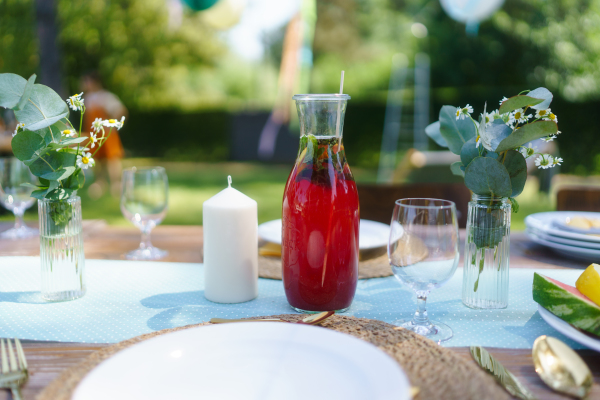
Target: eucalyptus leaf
point(76, 180)
point(30, 185)
point(11, 89)
point(515, 164)
point(59, 174)
point(526, 134)
point(455, 167)
point(433, 131)
point(41, 193)
point(52, 162)
point(514, 205)
point(52, 133)
point(468, 152)
point(495, 133)
point(67, 142)
point(455, 132)
point(59, 194)
point(486, 176)
point(519, 101)
point(26, 93)
point(27, 146)
point(541, 93)
point(43, 108)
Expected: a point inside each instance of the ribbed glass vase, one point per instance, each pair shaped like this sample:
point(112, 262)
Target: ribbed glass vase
point(487, 245)
point(61, 249)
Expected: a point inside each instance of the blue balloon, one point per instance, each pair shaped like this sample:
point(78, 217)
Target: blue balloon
point(199, 5)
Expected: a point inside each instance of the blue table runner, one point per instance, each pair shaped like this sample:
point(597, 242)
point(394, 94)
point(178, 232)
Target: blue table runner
point(129, 298)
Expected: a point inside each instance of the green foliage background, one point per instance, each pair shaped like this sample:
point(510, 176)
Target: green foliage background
point(184, 83)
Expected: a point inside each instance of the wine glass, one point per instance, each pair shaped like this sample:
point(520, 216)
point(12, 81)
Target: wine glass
point(15, 197)
point(144, 200)
point(423, 253)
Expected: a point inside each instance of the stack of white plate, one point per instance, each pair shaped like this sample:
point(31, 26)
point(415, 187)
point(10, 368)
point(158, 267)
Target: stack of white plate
point(552, 229)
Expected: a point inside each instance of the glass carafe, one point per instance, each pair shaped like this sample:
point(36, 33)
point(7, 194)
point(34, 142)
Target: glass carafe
point(320, 212)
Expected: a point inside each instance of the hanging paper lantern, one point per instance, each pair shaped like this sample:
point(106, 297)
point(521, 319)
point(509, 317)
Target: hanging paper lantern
point(199, 5)
point(471, 11)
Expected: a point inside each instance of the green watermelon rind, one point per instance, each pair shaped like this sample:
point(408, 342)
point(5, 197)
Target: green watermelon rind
point(577, 311)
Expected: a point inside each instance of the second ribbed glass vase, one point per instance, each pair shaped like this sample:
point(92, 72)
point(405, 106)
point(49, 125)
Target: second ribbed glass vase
point(487, 245)
point(61, 249)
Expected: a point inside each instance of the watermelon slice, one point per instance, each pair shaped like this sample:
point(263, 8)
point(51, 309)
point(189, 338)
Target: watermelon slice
point(567, 303)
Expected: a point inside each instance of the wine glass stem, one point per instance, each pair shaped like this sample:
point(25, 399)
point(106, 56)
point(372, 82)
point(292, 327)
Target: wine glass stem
point(146, 243)
point(18, 218)
point(421, 317)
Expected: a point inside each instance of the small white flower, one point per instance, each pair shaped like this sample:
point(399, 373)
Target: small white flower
point(549, 138)
point(464, 111)
point(518, 116)
point(494, 115)
point(477, 142)
point(85, 160)
point(528, 151)
point(69, 132)
point(93, 140)
point(542, 113)
point(558, 133)
point(557, 161)
point(544, 161)
point(552, 117)
point(115, 123)
point(503, 100)
point(97, 125)
point(19, 128)
point(75, 102)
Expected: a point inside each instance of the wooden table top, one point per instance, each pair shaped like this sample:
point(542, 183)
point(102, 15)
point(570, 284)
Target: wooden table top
point(184, 243)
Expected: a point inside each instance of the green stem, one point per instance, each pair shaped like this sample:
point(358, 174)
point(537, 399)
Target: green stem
point(80, 126)
point(102, 140)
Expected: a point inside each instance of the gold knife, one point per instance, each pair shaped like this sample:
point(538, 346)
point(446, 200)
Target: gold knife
point(502, 375)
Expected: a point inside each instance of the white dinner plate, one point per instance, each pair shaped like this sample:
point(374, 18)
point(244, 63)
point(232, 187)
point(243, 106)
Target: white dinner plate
point(248, 361)
point(371, 234)
point(545, 222)
point(580, 253)
point(565, 241)
point(569, 331)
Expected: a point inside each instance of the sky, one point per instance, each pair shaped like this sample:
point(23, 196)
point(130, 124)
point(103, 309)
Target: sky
point(259, 17)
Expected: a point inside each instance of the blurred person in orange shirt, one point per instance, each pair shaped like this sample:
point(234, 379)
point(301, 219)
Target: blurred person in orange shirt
point(100, 103)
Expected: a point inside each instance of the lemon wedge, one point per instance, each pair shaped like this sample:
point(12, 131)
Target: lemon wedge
point(589, 283)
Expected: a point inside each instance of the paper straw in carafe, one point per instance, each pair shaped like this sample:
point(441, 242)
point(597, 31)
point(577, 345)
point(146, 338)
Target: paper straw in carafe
point(333, 179)
point(339, 110)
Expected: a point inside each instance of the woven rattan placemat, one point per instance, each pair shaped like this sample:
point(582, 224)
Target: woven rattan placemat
point(439, 373)
point(270, 267)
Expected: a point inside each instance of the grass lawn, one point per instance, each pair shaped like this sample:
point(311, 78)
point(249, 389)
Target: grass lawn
point(190, 184)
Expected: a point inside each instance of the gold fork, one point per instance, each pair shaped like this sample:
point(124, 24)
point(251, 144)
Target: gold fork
point(14, 373)
point(313, 319)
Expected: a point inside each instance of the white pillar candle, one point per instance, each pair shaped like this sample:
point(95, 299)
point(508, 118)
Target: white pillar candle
point(230, 220)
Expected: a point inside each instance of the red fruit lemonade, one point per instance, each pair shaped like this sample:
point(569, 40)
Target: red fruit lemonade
point(320, 228)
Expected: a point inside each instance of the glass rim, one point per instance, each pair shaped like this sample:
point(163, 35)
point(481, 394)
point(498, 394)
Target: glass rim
point(445, 204)
point(321, 97)
point(72, 199)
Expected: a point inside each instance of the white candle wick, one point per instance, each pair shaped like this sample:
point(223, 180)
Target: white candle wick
point(229, 180)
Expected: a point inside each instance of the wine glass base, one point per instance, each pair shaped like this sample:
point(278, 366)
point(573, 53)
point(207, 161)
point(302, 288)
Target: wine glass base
point(23, 232)
point(436, 331)
point(149, 253)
